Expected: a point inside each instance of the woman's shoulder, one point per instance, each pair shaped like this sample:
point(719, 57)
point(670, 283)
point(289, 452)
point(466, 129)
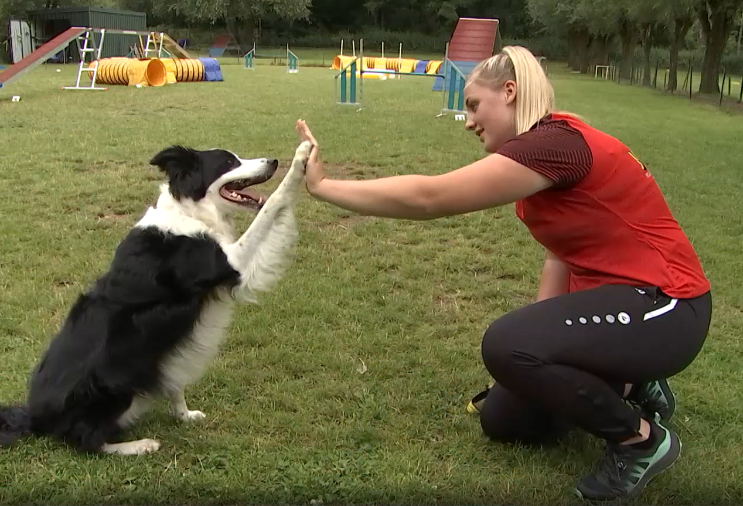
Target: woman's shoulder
point(553, 147)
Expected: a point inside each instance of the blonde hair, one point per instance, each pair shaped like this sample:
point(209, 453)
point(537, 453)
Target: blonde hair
point(535, 97)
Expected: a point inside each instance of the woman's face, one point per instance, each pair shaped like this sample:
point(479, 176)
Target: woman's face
point(490, 113)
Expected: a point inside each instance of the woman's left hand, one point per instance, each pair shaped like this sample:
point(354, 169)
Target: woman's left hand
point(314, 173)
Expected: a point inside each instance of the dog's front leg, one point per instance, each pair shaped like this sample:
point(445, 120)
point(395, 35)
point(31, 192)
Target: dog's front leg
point(261, 252)
point(180, 410)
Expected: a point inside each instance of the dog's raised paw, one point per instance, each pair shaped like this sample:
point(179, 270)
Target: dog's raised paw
point(303, 151)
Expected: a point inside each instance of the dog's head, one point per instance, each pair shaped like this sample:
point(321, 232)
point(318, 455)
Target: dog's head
point(216, 174)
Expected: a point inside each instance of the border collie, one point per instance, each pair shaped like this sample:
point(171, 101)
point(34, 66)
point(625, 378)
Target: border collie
point(151, 325)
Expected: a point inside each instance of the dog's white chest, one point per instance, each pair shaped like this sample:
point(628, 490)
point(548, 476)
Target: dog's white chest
point(188, 362)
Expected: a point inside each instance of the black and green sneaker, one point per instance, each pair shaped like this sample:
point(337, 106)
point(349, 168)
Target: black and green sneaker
point(655, 397)
point(626, 469)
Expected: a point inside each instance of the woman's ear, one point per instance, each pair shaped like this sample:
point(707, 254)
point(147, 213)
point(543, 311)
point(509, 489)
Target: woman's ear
point(509, 87)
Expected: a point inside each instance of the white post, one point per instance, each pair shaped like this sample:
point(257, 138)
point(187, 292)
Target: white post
point(382, 49)
point(445, 73)
point(341, 47)
point(354, 47)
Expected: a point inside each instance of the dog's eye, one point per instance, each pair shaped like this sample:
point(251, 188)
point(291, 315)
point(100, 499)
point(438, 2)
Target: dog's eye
point(228, 165)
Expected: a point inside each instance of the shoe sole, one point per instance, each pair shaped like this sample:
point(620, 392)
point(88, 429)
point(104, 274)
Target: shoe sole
point(663, 464)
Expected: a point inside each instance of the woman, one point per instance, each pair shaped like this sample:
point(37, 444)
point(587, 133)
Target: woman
point(623, 302)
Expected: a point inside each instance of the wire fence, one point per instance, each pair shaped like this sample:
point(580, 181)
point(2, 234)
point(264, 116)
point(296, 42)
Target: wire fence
point(729, 82)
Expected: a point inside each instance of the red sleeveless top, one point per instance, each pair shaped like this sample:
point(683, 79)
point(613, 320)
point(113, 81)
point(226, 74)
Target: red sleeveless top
point(605, 217)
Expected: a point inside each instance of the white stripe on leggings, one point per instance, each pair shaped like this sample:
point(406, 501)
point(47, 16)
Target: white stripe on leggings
point(663, 310)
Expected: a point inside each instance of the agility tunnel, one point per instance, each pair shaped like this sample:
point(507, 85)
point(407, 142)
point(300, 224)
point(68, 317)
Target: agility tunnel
point(155, 71)
point(195, 69)
point(130, 71)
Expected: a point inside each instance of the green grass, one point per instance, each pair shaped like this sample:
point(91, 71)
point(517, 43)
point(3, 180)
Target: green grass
point(348, 383)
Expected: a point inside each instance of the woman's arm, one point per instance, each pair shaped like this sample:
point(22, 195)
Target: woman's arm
point(490, 182)
point(554, 279)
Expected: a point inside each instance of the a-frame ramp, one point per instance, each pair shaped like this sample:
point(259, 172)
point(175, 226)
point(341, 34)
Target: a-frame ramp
point(42, 54)
point(169, 45)
point(473, 41)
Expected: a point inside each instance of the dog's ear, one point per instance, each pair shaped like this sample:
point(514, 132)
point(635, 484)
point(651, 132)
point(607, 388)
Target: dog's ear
point(176, 159)
point(182, 166)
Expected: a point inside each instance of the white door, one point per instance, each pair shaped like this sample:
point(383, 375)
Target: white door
point(28, 46)
point(16, 41)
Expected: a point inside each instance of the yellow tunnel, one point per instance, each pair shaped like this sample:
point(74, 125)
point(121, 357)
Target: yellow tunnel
point(169, 69)
point(130, 71)
point(188, 69)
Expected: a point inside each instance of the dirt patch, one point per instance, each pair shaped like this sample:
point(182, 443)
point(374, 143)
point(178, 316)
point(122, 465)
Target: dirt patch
point(113, 215)
point(508, 276)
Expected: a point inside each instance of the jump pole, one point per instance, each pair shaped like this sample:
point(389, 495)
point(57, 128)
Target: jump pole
point(453, 95)
point(292, 61)
point(348, 85)
point(249, 59)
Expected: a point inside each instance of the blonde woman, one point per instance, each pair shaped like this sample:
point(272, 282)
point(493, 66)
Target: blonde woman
point(623, 302)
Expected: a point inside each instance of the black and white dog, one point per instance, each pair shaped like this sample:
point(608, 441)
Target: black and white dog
point(150, 326)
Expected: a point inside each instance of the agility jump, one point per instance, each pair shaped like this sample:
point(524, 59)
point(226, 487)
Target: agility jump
point(349, 82)
point(292, 60)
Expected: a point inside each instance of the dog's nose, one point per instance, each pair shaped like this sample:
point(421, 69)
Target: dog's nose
point(273, 163)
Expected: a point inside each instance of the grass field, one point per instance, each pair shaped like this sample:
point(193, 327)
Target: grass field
point(348, 383)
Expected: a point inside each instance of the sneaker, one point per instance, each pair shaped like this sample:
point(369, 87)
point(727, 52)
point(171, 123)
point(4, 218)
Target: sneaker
point(625, 469)
point(655, 397)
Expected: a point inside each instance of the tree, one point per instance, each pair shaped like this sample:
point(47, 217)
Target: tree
point(650, 17)
point(235, 12)
point(680, 15)
point(716, 18)
point(563, 17)
point(601, 20)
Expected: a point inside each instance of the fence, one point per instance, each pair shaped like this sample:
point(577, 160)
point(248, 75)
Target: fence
point(691, 78)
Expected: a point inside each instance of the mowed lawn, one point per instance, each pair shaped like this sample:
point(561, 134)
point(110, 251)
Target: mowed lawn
point(348, 384)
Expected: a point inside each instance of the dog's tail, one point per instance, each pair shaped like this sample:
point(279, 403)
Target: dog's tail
point(14, 424)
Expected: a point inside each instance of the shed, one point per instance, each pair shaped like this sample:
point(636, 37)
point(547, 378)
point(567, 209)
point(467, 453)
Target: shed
point(51, 22)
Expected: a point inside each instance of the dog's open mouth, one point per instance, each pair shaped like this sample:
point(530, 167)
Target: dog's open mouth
point(239, 192)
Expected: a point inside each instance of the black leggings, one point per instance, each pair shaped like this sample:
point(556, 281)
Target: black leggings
point(563, 362)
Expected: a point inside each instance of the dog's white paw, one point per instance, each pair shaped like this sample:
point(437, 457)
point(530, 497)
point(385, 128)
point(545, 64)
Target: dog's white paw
point(303, 152)
point(146, 446)
point(140, 447)
point(193, 416)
